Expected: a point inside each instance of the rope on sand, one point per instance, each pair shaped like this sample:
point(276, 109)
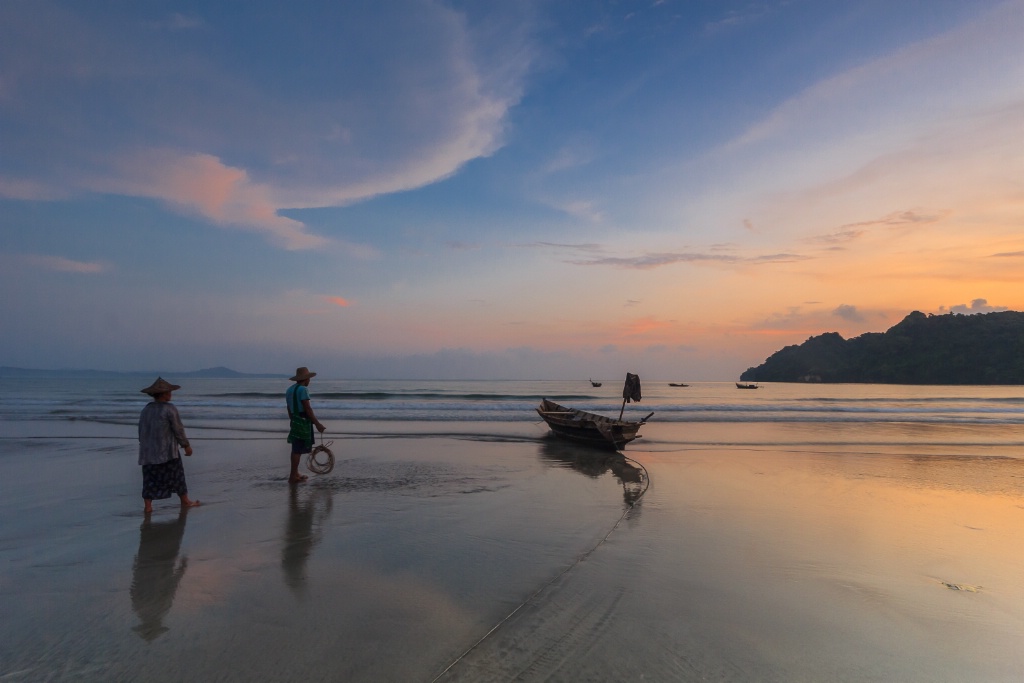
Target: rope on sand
point(581, 558)
point(313, 462)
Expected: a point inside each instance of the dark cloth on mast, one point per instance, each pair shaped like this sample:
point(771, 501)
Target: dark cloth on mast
point(631, 390)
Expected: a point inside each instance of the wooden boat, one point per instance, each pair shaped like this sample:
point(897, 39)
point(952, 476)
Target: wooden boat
point(677, 384)
point(745, 385)
point(589, 428)
point(594, 384)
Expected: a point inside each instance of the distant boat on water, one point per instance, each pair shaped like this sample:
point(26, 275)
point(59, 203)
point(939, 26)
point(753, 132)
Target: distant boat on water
point(745, 385)
point(677, 384)
point(594, 384)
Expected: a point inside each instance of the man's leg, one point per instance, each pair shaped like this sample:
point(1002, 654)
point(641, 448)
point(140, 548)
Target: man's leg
point(294, 477)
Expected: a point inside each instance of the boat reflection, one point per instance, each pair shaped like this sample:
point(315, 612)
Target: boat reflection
point(156, 573)
point(308, 509)
point(594, 463)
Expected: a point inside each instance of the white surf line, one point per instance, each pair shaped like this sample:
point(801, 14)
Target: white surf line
point(581, 558)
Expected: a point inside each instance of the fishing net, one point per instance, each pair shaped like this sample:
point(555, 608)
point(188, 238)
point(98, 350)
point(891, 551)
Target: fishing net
point(321, 459)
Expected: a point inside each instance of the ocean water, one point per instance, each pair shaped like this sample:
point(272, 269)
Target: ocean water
point(116, 400)
point(703, 413)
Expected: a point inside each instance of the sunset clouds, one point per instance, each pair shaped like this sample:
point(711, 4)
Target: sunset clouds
point(671, 187)
point(154, 106)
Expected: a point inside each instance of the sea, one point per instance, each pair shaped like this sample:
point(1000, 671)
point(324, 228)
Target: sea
point(701, 413)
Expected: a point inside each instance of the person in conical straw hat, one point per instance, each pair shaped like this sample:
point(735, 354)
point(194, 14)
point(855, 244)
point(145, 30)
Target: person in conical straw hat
point(302, 420)
point(160, 435)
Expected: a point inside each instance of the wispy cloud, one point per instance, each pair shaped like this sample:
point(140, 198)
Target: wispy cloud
point(583, 209)
point(976, 306)
point(751, 13)
point(339, 301)
point(589, 247)
point(201, 184)
point(20, 188)
point(908, 88)
point(848, 313)
point(841, 237)
point(896, 219)
point(848, 319)
point(63, 265)
point(411, 102)
point(658, 260)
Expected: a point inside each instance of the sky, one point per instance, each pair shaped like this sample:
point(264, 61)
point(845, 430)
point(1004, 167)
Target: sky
point(531, 189)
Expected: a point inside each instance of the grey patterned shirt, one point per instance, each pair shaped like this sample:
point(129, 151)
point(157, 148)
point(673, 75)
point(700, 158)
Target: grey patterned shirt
point(160, 433)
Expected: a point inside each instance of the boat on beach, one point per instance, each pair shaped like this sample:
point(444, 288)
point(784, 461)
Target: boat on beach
point(746, 385)
point(589, 428)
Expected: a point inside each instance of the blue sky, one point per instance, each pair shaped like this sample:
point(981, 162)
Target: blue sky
point(499, 190)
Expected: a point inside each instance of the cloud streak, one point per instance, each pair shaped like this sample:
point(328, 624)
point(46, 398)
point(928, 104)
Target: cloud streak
point(395, 106)
point(202, 185)
point(60, 264)
point(976, 306)
point(659, 260)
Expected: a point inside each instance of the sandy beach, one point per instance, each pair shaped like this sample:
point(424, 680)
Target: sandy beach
point(496, 553)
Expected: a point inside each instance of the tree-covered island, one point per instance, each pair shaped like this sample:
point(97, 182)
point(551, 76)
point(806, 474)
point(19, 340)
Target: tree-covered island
point(921, 349)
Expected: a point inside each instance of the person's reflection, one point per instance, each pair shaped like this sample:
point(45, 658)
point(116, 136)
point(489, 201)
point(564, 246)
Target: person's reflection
point(594, 463)
point(156, 573)
point(303, 530)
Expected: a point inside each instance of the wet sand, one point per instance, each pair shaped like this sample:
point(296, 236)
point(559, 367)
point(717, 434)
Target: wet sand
point(737, 563)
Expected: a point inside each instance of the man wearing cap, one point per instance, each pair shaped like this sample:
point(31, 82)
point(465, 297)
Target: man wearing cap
point(300, 413)
point(160, 434)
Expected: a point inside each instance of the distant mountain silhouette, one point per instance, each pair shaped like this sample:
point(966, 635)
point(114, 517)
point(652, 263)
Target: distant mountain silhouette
point(921, 349)
point(211, 373)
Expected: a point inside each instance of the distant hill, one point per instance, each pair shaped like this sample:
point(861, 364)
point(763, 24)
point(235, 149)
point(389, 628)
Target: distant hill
point(211, 373)
point(921, 349)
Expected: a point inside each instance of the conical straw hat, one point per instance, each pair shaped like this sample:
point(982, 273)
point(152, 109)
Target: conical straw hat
point(160, 386)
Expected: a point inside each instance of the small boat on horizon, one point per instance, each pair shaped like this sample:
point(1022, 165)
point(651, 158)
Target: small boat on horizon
point(589, 428)
point(746, 385)
point(594, 384)
point(677, 384)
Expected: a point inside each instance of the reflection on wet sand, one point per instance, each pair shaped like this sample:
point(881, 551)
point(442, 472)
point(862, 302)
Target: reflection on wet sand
point(594, 463)
point(307, 511)
point(156, 573)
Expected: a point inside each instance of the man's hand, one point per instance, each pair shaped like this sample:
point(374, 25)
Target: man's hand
point(188, 450)
point(320, 428)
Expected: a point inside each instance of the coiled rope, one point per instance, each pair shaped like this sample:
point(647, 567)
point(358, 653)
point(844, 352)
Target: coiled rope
point(314, 463)
point(529, 599)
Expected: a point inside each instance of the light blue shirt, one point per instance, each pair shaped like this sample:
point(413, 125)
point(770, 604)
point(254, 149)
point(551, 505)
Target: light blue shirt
point(294, 397)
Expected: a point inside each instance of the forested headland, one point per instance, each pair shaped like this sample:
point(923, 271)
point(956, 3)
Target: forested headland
point(921, 349)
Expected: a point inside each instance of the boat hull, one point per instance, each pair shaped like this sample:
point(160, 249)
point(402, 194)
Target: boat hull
point(588, 428)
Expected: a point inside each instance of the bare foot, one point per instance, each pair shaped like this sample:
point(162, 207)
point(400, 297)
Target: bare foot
point(298, 479)
point(188, 503)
